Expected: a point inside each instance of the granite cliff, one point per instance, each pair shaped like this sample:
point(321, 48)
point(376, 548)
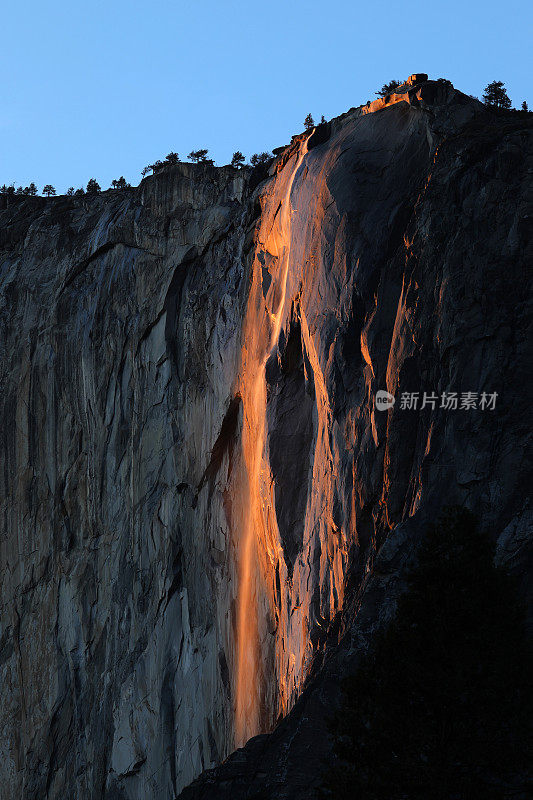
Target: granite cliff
point(204, 515)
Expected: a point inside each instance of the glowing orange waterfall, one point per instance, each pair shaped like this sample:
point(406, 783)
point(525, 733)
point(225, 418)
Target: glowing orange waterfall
point(258, 541)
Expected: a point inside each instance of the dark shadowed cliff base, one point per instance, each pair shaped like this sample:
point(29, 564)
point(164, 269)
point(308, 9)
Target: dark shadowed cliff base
point(160, 344)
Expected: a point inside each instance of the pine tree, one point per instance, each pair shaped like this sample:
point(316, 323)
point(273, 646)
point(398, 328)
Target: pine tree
point(49, 190)
point(309, 122)
point(198, 155)
point(121, 183)
point(496, 95)
point(93, 187)
point(172, 158)
point(525, 106)
point(260, 159)
point(70, 191)
point(388, 88)
point(237, 160)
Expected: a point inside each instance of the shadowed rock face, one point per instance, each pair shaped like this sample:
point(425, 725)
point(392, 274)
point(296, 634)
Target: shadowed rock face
point(122, 321)
point(290, 405)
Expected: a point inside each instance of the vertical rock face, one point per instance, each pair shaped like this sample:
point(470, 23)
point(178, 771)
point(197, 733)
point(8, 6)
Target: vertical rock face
point(198, 495)
point(120, 340)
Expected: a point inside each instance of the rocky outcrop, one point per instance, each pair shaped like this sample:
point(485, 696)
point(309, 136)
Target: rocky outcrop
point(200, 500)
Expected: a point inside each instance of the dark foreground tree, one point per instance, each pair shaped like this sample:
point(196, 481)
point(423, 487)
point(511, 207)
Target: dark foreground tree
point(309, 122)
point(525, 106)
point(237, 159)
point(49, 190)
point(93, 187)
point(496, 95)
point(70, 191)
point(388, 88)
point(441, 707)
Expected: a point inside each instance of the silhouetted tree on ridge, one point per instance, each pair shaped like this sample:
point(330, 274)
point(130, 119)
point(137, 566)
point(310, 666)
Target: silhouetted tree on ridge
point(260, 159)
point(388, 88)
point(93, 187)
point(237, 159)
point(198, 155)
point(121, 183)
point(496, 95)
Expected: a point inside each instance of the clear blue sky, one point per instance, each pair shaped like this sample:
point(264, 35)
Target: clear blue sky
point(100, 89)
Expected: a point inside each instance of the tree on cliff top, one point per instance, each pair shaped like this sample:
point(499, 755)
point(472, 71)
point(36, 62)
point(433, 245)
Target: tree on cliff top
point(309, 122)
point(93, 187)
point(121, 183)
point(198, 155)
point(237, 159)
point(49, 190)
point(388, 88)
point(496, 95)
point(259, 159)
point(172, 158)
point(441, 707)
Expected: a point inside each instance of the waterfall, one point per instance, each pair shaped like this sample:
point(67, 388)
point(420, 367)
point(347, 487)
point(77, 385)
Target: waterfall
point(259, 547)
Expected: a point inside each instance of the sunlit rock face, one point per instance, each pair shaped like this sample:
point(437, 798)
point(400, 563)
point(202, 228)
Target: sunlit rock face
point(202, 510)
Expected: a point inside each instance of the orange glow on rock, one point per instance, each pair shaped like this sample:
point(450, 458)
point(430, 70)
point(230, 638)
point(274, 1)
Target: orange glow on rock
point(259, 551)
